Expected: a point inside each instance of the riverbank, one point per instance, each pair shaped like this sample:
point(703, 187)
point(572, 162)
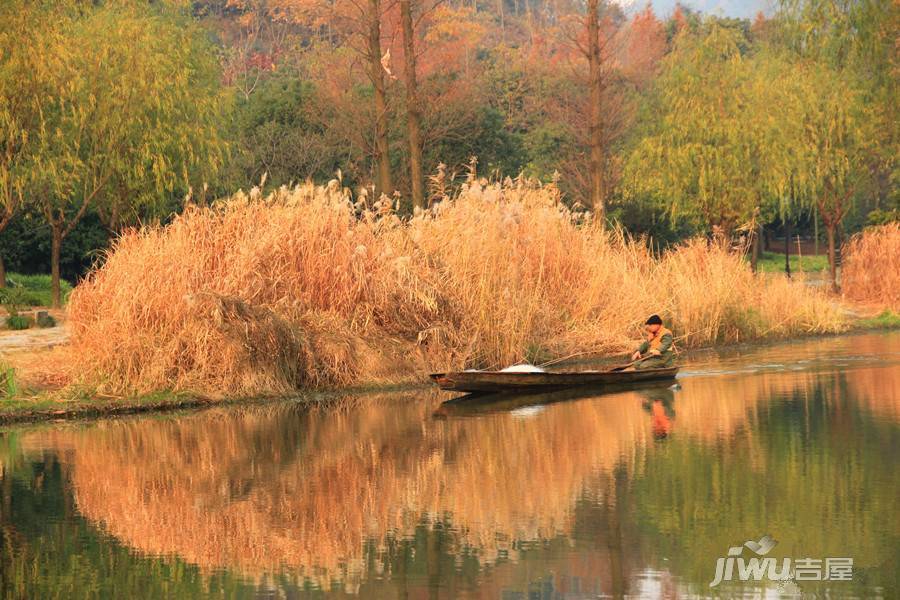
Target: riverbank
point(257, 296)
point(63, 406)
point(268, 297)
point(43, 396)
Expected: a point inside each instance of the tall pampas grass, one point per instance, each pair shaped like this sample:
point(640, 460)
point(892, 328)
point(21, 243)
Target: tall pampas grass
point(302, 288)
point(871, 266)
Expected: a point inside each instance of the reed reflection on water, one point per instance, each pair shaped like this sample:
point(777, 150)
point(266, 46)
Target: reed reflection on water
point(632, 493)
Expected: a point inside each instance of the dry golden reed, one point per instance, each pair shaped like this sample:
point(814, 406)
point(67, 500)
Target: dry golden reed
point(871, 266)
point(301, 288)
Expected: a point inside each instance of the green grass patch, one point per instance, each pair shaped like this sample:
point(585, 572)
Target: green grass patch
point(17, 322)
point(885, 320)
point(773, 262)
point(34, 289)
point(8, 386)
point(18, 405)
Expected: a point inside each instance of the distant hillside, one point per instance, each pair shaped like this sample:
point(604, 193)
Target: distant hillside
point(728, 8)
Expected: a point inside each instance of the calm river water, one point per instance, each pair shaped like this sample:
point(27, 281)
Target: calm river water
point(634, 494)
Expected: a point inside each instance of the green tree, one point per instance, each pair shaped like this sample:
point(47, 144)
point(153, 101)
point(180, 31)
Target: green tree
point(127, 112)
point(776, 125)
point(834, 146)
point(17, 115)
point(858, 41)
point(173, 140)
point(278, 133)
point(713, 150)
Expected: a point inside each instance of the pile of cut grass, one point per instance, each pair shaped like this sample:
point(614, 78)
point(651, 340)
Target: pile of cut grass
point(303, 288)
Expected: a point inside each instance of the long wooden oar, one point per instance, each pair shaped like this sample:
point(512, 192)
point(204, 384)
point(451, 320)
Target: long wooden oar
point(612, 370)
point(623, 367)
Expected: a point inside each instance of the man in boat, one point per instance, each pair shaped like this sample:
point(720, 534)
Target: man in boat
point(657, 350)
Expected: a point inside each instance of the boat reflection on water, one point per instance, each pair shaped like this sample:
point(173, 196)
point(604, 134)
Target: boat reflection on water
point(473, 405)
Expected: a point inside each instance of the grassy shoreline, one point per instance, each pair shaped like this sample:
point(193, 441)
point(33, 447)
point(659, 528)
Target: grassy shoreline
point(48, 408)
point(59, 406)
point(79, 403)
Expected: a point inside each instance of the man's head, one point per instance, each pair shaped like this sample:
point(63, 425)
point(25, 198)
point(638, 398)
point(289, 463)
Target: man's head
point(653, 324)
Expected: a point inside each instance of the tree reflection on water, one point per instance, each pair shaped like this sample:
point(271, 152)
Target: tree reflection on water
point(615, 494)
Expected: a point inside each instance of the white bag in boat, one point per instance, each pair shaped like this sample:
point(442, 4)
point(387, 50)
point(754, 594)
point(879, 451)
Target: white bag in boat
point(522, 368)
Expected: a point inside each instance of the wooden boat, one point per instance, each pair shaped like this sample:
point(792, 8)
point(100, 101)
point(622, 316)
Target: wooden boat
point(499, 381)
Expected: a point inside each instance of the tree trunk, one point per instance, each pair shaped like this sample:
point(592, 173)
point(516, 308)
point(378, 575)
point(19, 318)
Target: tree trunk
point(754, 248)
point(114, 225)
point(55, 246)
point(384, 184)
point(832, 255)
point(5, 218)
point(595, 126)
point(787, 247)
point(413, 117)
point(838, 246)
point(816, 231)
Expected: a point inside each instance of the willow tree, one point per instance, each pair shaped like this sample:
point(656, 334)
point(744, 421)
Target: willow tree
point(171, 141)
point(775, 126)
point(127, 115)
point(18, 116)
point(831, 155)
point(713, 151)
point(857, 40)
